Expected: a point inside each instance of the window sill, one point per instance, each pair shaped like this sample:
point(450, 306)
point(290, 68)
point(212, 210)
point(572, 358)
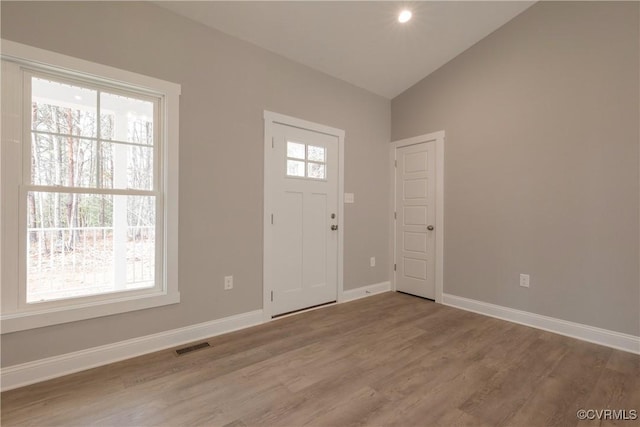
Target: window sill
point(22, 321)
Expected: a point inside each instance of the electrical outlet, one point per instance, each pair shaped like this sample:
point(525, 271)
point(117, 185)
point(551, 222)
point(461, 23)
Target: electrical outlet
point(524, 280)
point(228, 282)
point(372, 261)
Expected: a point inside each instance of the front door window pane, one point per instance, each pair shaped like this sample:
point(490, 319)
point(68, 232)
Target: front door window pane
point(295, 150)
point(295, 168)
point(316, 154)
point(315, 170)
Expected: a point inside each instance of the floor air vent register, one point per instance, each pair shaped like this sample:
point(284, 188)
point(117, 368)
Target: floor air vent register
point(191, 348)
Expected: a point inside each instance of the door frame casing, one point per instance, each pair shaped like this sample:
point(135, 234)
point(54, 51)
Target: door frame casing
point(271, 118)
point(438, 139)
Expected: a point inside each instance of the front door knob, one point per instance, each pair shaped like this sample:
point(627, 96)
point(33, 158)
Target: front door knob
point(334, 227)
point(430, 227)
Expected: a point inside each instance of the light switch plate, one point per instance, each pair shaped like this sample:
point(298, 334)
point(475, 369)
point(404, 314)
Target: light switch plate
point(349, 198)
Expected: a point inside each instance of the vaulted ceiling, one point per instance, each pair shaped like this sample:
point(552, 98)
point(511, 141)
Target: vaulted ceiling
point(360, 42)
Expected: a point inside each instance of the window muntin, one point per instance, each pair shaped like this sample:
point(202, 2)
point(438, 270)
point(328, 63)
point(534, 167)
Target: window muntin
point(93, 194)
point(306, 161)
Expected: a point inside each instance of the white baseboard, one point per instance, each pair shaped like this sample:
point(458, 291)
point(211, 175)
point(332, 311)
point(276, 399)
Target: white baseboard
point(365, 291)
point(52, 367)
point(617, 340)
point(41, 370)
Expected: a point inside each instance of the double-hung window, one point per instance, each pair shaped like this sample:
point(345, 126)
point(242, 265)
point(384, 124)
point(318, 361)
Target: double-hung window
point(89, 190)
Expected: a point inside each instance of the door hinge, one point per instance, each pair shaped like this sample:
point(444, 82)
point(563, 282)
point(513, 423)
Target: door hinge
point(271, 219)
point(271, 296)
point(394, 267)
point(272, 142)
point(395, 215)
point(395, 163)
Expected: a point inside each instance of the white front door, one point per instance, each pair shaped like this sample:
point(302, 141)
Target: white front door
point(304, 239)
point(415, 219)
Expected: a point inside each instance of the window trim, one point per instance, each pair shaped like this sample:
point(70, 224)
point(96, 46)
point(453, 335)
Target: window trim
point(16, 318)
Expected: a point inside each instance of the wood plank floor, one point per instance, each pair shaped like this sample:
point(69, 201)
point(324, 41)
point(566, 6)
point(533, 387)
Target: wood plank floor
point(390, 359)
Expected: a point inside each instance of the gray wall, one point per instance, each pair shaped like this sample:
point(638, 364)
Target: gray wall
point(541, 162)
point(226, 85)
point(541, 159)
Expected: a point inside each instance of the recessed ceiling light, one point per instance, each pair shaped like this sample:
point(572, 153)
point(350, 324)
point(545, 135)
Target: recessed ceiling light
point(404, 16)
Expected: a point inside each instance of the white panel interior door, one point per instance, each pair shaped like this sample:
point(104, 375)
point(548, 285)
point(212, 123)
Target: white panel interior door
point(415, 219)
point(305, 209)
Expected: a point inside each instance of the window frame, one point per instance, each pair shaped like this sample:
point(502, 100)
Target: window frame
point(23, 63)
point(27, 74)
point(306, 162)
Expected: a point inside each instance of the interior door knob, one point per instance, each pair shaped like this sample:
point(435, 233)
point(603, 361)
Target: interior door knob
point(429, 227)
point(334, 227)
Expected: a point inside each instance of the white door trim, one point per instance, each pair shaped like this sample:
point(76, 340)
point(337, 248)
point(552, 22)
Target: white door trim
point(271, 118)
point(438, 139)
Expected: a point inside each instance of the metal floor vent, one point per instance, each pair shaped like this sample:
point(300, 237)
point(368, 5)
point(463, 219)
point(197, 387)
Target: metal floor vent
point(191, 348)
